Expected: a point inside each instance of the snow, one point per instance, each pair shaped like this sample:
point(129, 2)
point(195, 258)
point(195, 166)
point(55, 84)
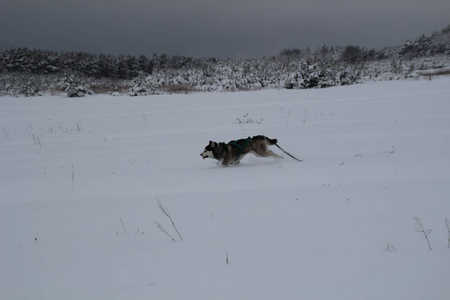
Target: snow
point(80, 181)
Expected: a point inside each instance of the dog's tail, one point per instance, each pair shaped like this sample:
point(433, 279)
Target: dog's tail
point(272, 141)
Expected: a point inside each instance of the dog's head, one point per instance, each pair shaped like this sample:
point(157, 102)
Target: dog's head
point(209, 150)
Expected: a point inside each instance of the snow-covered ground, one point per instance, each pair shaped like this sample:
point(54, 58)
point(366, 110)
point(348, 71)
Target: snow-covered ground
point(80, 181)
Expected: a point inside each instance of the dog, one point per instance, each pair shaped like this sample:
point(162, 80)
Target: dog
point(234, 151)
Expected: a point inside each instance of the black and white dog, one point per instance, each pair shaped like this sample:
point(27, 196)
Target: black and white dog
point(234, 151)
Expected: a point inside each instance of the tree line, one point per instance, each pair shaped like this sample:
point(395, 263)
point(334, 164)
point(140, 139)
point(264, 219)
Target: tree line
point(34, 71)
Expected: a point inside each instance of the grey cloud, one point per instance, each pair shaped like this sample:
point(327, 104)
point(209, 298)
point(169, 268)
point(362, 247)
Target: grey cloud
point(214, 28)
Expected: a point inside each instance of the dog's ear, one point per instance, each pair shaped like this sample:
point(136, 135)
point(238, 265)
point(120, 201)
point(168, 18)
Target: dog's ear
point(212, 144)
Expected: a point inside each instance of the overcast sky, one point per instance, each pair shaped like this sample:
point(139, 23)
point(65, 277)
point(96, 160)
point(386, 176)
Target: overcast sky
point(214, 28)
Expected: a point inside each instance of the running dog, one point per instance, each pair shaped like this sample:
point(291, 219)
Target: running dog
point(234, 151)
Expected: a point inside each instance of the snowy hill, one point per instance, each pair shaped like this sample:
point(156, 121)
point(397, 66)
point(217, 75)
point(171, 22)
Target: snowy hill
point(25, 72)
point(80, 181)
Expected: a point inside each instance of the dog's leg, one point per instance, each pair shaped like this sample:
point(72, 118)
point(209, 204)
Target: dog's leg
point(239, 160)
point(225, 162)
point(264, 151)
point(273, 154)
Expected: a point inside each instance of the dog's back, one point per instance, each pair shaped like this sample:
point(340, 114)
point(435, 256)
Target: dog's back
point(262, 137)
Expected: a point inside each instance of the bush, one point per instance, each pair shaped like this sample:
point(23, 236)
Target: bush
point(140, 87)
point(75, 86)
point(78, 91)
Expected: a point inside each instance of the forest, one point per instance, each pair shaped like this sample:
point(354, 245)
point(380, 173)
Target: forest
point(33, 72)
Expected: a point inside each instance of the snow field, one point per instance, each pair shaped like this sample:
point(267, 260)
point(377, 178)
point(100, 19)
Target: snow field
point(80, 179)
